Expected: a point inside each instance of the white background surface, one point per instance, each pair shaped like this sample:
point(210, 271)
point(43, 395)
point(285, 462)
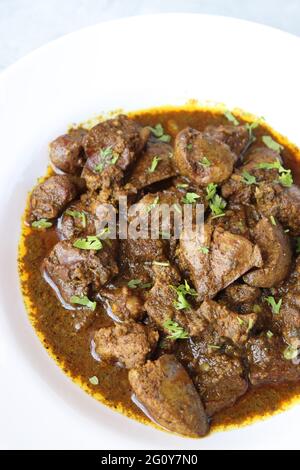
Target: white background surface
point(28, 24)
point(39, 406)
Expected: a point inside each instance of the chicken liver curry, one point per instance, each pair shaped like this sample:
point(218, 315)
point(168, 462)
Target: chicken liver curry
point(190, 334)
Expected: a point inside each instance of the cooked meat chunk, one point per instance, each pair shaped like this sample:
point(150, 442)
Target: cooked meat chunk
point(229, 257)
point(290, 309)
point(129, 343)
point(218, 378)
point(277, 255)
point(237, 190)
point(164, 388)
point(237, 294)
point(202, 159)
point(76, 272)
point(281, 203)
point(236, 137)
point(123, 303)
point(50, 198)
point(111, 147)
point(226, 323)
point(235, 220)
point(155, 164)
point(66, 152)
point(76, 221)
point(267, 363)
point(161, 303)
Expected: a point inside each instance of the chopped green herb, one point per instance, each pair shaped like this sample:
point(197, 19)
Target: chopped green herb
point(134, 283)
point(152, 205)
point(205, 367)
point(285, 176)
point(241, 322)
point(213, 346)
point(250, 325)
point(182, 185)
point(104, 233)
point(42, 223)
point(154, 164)
point(271, 144)
point(107, 157)
point(286, 179)
point(211, 191)
point(231, 118)
point(89, 243)
point(269, 334)
point(190, 198)
point(217, 206)
point(83, 300)
point(275, 306)
point(158, 132)
point(176, 331)
point(273, 221)
point(94, 380)
point(182, 291)
point(248, 179)
point(298, 245)
point(161, 263)
point(78, 215)
point(189, 146)
point(205, 162)
point(250, 128)
point(204, 250)
point(290, 353)
point(177, 208)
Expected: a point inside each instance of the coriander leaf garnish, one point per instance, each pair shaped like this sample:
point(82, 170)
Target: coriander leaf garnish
point(250, 325)
point(269, 334)
point(290, 353)
point(83, 300)
point(275, 306)
point(205, 162)
point(286, 179)
point(298, 245)
point(78, 215)
point(176, 331)
point(248, 179)
point(42, 223)
point(285, 176)
point(231, 118)
point(273, 220)
point(182, 185)
point(158, 132)
point(213, 346)
point(154, 164)
point(177, 208)
point(240, 321)
point(271, 144)
point(182, 291)
point(211, 191)
point(250, 128)
point(204, 250)
point(152, 205)
point(189, 146)
point(89, 243)
point(94, 380)
point(190, 198)
point(104, 233)
point(134, 283)
point(107, 157)
point(161, 263)
point(217, 206)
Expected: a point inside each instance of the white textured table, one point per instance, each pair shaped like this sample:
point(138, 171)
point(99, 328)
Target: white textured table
point(28, 24)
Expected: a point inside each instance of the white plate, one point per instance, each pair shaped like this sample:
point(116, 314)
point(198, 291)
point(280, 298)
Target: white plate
point(132, 63)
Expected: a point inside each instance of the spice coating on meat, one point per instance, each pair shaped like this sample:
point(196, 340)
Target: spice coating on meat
point(164, 388)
